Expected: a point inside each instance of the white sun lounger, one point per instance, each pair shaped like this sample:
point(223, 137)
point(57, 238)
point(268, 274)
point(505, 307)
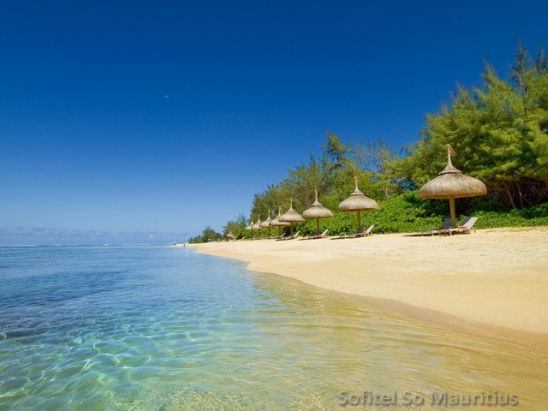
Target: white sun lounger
point(446, 225)
point(465, 228)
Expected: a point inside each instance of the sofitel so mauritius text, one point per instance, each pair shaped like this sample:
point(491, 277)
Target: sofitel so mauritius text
point(434, 399)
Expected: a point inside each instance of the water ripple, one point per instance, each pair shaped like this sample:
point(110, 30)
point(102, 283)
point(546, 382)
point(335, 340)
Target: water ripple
point(165, 329)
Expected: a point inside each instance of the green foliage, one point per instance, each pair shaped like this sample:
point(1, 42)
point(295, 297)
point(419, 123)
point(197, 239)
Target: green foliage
point(236, 227)
point(525, 217)
point(332, 176)
point(499, 132)
point(207, 235)
point(405, 213)
point(401, 213)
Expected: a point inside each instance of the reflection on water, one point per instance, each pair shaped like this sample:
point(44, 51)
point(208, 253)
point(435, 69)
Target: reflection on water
point(155, 328)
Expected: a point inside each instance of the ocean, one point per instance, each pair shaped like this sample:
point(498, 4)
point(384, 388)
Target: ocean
point(158, 328)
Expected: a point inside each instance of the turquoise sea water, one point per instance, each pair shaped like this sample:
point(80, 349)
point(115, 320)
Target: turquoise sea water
point(151, 328)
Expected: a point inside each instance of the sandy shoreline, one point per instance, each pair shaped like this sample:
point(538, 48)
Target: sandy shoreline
point(495, 277)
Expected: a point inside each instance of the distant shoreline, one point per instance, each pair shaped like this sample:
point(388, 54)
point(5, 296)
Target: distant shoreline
point(494, 278)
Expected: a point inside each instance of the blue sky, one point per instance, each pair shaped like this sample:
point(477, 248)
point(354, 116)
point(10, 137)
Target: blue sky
point(170, 115)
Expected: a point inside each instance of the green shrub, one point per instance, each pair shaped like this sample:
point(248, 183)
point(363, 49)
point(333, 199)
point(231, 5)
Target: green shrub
point(406, 213)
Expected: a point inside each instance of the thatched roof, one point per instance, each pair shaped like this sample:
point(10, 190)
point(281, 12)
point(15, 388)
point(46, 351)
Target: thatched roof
point(358, 201)
point(291, 216)
point(266, 223)
point(317, 210)
point(230, 235)
point(276, 221)
point(451, 183)
point(257, 225)
point(250, 225)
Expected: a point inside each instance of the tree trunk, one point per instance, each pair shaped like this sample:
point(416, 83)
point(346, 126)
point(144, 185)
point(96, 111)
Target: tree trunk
point(510, 197)
point(520, 195)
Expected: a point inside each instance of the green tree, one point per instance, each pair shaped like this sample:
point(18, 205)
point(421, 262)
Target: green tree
point(207, 235)
point(498, 131)
point(236, 227)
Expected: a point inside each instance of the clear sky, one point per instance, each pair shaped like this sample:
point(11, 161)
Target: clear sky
point(170, 115)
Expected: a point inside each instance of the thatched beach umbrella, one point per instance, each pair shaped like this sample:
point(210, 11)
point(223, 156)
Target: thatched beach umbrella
point(250, 225)
point(316, 212)
point(276, 220)
point(266, 223)
point(452, 184)
point(257, 225)
point(358, 202)
point(230, 236)
point(291, 216)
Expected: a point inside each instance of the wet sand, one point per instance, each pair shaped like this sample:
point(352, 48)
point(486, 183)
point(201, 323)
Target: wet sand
point(492, 280)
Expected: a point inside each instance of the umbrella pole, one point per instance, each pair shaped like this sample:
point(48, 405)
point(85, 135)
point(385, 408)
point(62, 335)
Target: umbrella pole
point(291, 229)
point(317, 226)
point(359, 230)
point(452, 211)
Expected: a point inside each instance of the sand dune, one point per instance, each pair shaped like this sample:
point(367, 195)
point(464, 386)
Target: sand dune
point(495, 277)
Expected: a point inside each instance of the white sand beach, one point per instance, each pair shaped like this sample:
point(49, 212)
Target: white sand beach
point(496, 277)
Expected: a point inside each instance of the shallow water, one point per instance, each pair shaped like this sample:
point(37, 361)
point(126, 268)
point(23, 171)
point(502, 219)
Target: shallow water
point(166, 329)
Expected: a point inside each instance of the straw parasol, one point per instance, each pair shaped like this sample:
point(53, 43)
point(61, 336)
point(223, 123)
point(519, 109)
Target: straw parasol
point(230, 236)
point(276, 220)
point(266, 223)
point(317, 211)
point(452, 184)
point(358, 202)
point(291, 216)
point(257, 225)
point(250, 225)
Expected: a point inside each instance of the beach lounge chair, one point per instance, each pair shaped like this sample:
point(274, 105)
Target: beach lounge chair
point(465, 228)
point(446, 225)
point(290, 237)
point(356, 235)
point(318, 236)
point(322, 235)
point(366, 232)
